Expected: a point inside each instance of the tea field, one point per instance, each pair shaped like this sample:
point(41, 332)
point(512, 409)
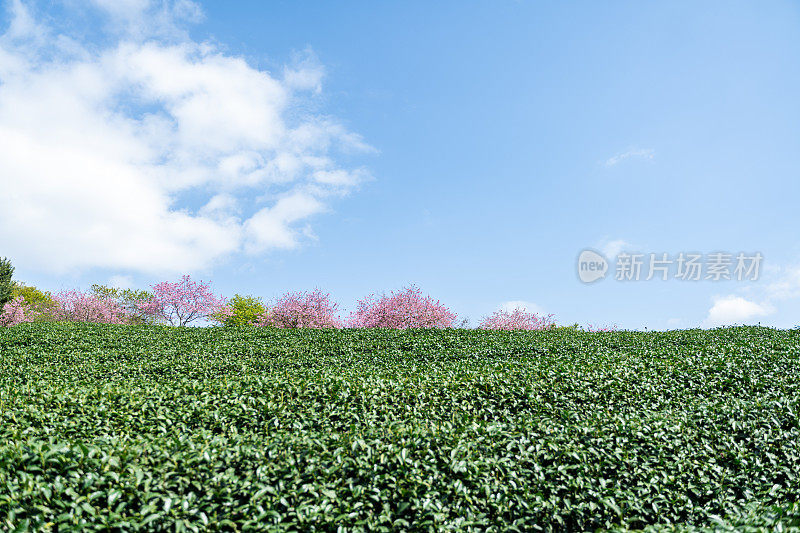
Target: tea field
point(128, 428)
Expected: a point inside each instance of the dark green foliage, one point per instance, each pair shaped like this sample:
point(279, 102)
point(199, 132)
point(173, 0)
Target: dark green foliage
point(150, 428)
point(6, 272)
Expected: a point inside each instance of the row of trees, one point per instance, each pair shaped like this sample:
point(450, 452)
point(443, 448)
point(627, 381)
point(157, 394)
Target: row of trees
point(185, 302)
point(407, 308)
point(177, 304)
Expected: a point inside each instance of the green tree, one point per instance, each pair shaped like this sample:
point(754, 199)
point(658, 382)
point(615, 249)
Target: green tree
point(41, 302)
point(6, 287)
point(127, 299)
point(245, 310)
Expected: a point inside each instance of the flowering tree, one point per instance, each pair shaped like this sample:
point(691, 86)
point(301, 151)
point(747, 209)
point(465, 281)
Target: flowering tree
point(407, 308)
point(77, 306)
point(28, 304)
point(40, 301)
point(183, 302)
point(302, 310)
point(127, 299)
point(16, 312)
point(516, 319)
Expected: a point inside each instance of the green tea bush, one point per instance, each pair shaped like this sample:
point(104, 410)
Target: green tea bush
point(239, 429)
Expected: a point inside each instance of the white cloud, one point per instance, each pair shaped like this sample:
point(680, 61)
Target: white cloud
point(23, 25)
point(123, 8)
point(612, 248)
point(784, 283)
point(637, 153)
point(145, 18)
point(273, 227)
point(306, 73)
point(780, 284)
point(730, 310)
point(221, 206)
point(528, 307)
point(120, 282)
point(675, 323)
point(101, 146)
point(339, 178)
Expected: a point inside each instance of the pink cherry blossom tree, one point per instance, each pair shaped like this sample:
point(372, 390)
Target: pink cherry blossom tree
point(183, 302)
point(16, 312)
point(78, 306)
point(518, 319)
point(407, 308)
point(302, 310)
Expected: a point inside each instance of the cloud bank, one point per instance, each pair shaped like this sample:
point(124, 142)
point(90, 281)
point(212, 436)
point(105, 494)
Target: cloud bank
point(146, 151)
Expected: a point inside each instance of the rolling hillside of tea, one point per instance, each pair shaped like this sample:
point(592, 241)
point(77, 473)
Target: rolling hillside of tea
point(106, 427)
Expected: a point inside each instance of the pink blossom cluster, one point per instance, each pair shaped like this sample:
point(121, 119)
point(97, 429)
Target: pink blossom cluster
point(183, 302)
point(175, 303)
point(16, 312)
point(78, 306)
point(407, 308)
point(516, 319)
point(73, 306)
point(302, 310)
point(186, 301)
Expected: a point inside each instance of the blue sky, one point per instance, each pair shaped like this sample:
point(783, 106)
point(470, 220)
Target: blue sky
point(471, 148)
